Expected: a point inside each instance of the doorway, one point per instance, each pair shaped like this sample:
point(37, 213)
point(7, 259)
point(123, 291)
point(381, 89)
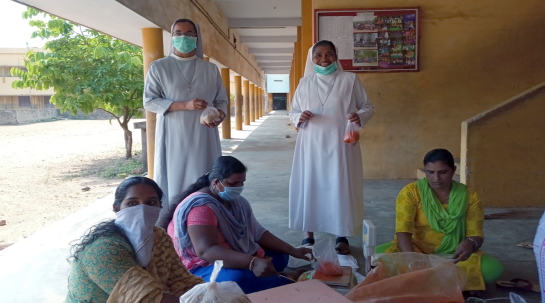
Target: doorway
point(279, 101)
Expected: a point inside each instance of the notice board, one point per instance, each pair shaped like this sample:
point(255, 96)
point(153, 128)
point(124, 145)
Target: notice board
point(372, 40)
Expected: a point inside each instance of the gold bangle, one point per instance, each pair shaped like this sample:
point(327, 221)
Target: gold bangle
point(252, 263)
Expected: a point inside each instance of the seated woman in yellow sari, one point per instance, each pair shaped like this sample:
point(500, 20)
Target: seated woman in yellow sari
point(129, 260)
point(438, 215)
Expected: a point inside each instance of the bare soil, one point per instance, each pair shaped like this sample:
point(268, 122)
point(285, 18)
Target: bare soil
point(46, 169)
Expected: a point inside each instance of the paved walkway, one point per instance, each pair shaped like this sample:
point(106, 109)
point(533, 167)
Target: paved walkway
point(36, 270)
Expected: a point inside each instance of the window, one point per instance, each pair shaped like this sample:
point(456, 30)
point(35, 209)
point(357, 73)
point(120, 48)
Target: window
point(47, 102)
point(24, 101)
point(6, 70)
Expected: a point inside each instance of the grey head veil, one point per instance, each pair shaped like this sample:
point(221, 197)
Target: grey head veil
point(199, 52)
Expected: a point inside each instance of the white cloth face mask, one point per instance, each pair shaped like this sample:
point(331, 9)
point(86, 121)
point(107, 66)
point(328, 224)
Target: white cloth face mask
point(137, 224)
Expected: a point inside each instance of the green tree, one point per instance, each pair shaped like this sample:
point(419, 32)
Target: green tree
point(88, 70)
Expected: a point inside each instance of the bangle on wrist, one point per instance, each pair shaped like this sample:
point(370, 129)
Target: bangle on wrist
point(473, 244)
point(252, 263)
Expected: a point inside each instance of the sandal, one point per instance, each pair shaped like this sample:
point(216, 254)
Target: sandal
point(342, 240)
point(308, 241)
point(519, 284)
point(525, 244)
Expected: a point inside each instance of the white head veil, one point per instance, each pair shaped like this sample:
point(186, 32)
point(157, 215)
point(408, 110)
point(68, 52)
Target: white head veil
point(309, 67)
point(199, 52)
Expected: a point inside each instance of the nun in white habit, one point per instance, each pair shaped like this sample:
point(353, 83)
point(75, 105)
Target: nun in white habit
point(178, 88)
point(326, 184)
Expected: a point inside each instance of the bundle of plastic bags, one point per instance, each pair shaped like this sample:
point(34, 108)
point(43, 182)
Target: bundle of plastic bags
point(411, 277)
point(210, 115)
point(214, 292)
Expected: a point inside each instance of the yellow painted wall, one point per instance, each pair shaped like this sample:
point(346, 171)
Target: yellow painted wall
point(164, 12)
point(503, 151)
point(473, 56)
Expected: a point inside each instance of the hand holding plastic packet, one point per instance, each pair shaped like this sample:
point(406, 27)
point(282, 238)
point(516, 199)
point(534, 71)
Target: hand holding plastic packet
point(351, 133)
point(326, 257)
point(210, 115)
point(214, 292)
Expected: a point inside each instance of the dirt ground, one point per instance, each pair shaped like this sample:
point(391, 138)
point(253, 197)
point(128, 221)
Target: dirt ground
point(44, 167)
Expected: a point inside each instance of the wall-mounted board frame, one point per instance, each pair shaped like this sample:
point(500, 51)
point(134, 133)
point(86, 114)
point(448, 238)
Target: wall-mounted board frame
point(372, 40)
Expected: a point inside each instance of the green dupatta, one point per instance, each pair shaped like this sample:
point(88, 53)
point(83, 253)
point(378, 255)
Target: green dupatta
point(450, 221)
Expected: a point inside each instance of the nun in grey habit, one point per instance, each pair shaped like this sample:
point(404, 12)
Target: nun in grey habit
point(178, 88)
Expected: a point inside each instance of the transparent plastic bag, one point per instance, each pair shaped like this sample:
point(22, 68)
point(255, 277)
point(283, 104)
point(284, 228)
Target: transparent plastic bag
point(326, 257)
point(210, 115)
point(212, 292)
point(351, 133)
point(411, 278)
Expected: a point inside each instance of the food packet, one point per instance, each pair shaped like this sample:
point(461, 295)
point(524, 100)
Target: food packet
point(210, 115)
point(351, 133)
point(326, 257)
point(213, 292)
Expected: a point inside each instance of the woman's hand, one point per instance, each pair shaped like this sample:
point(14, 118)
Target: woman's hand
point(302, 252)
point(196, 104)
point(263, 268)
point(305, 116)
point(463, 252)
point(354, 118)
point(216, 123)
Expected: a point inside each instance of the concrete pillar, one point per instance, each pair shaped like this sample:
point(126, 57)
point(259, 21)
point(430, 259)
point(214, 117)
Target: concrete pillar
point(226, 124)
point(256, 102)
point(307, 39)
point(264, 109)
point(238, 102)
point(246, 93)
point(152, 49)
point(262, 102)
point(299, 65)
point(206, 58)
point(270, 102)
point(252, 103)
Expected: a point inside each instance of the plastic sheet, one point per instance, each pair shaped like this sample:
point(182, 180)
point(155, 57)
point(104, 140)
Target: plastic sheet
point(411, 277)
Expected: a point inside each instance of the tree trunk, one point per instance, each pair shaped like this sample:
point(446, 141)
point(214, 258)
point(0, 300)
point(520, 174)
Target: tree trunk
point(128, 141)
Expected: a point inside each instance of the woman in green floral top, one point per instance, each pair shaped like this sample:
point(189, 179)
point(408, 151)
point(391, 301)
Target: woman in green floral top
point(129, 260)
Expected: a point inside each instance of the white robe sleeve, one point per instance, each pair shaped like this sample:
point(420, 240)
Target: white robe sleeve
point(366, 110)
point(296, 111)
point(154, 93)
point(221, 100)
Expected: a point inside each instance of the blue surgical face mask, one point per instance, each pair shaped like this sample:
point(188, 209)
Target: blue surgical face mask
point(230, 193)
point(328, 70)
point(184, 44)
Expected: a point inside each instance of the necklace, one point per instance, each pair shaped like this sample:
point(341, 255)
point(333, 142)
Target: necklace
point(328, 93)
point(192, 74)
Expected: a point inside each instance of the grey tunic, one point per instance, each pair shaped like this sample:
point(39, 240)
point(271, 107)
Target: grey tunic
point(184, 148)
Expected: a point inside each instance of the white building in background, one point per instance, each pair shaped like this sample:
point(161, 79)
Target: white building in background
point(11, 98)
point(278, 85)
point(21, 105)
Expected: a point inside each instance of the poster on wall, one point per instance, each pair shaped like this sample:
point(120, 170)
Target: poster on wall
point(372, 40)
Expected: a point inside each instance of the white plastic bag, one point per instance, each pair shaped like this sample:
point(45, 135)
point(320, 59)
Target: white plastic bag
point(351, 133)
point(210, 115)
point(326, 257)
point(212, 292)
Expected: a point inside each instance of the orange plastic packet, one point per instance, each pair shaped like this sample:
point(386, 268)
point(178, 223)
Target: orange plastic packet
point(351, 133)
